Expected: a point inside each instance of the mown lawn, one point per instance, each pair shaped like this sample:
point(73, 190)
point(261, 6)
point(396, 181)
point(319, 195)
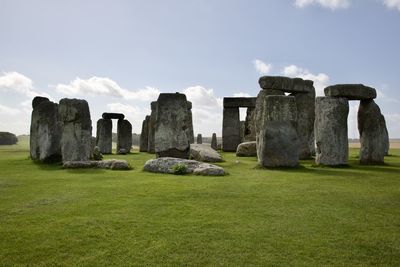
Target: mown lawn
point(309, 216)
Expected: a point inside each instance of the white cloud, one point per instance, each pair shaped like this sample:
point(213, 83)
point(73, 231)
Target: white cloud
point(206, 109)
point(19, 83)
point(321, 80)
point(392, 4)
point(4, 110)
point(135, 115)
point(241, 94)
point(262, 67)
point(393, 124)
point(105, 87)
point(331, 4)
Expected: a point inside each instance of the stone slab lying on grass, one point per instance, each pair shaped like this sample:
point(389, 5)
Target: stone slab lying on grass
point(247, 149)
point(113, 164)
point(166, 165)
point(202, 152)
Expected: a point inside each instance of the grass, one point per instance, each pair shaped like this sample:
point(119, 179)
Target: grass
point(308, 216)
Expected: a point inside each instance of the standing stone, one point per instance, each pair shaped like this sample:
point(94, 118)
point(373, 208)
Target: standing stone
point(92, 146)
point(104, 136)
point(124, 136)
point(230, 129)
point(249, 126)
point(242, 131)
point(372, 129)
point(76, 130)
point(144, 135)
point(278, 143)
point(331, 130)
point(386, 139)
point(214, 141)
point(171, 138)
point(152, 127)
point(45, 132)
point(199, 139)
point(190, 123)
point(305, 103)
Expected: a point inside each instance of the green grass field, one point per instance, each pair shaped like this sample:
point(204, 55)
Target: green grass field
point(308, 216)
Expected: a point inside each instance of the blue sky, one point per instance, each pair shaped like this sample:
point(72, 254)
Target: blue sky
point(119, 55)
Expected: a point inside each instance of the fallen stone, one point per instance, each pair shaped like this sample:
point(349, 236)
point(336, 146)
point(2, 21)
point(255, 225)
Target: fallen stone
point(331, 131)
point(112, 164)
point(351, 91)
point(205, 153)
point(166, 165)
point(247, 149)
point(108, 116)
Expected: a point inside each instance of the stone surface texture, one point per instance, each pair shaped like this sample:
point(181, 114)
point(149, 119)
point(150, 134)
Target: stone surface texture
point(351, 91)
point(76, 130)
point(112, 164)
point(373, 133)
point(190, 131)
point(152, 127)
point(144, 135)
point(45, 131)
point(171, 138)
point(285, 84)
point(109, 116)
point(166, 164)
point(104, 136)
point(124, 136)
point(331, 131)
point(278, 144)
point(214, 142)
point(247, 149)
point(203, 152)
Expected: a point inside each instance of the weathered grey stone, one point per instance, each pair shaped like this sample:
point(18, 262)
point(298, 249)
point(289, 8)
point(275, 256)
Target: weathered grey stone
point(247, 149)
point(112, 164)
point(37, 100)
point(104, 136)
point(124, 136)
point(285, 84)
point(372, 129)
point(152, 127)
point(214, 144)
point(92, 146)
point(205, 153)
point(386, 139)
point(45, 132)
point(122, 151)
point(166, 164)
point(144, 135)
point(249, 126)
point(171, 138)
point(331, 130)
point(199, 139)
point(190, 131)
point(109, 116)
point(259, 109)
point(242, 130)
point(278, 143)
point(230, 129)
point(351, 91)
point(236, 102)
point(76, 130)
point(305, 103)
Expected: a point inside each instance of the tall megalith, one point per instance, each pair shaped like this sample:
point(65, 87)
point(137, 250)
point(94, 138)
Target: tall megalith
point(45, 131)
point(124, 136)
point(104, 136)
point(331, 138)
point(76, 129)
point(152, 126)
point(144, 135)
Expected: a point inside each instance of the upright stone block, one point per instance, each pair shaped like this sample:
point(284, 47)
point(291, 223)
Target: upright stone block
point(331, 130)
point(214, 144)
point(104, 136)
point(190, 123)
point(152, 127)
point(144, 135)
point(199, 139)
point(171, 138)
point(230, 129)
point(45, 132)
point(124, 136)
point(305, 103)
point(278, 143)
point(76, 130)
point(249, 126)
point(373, 133)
